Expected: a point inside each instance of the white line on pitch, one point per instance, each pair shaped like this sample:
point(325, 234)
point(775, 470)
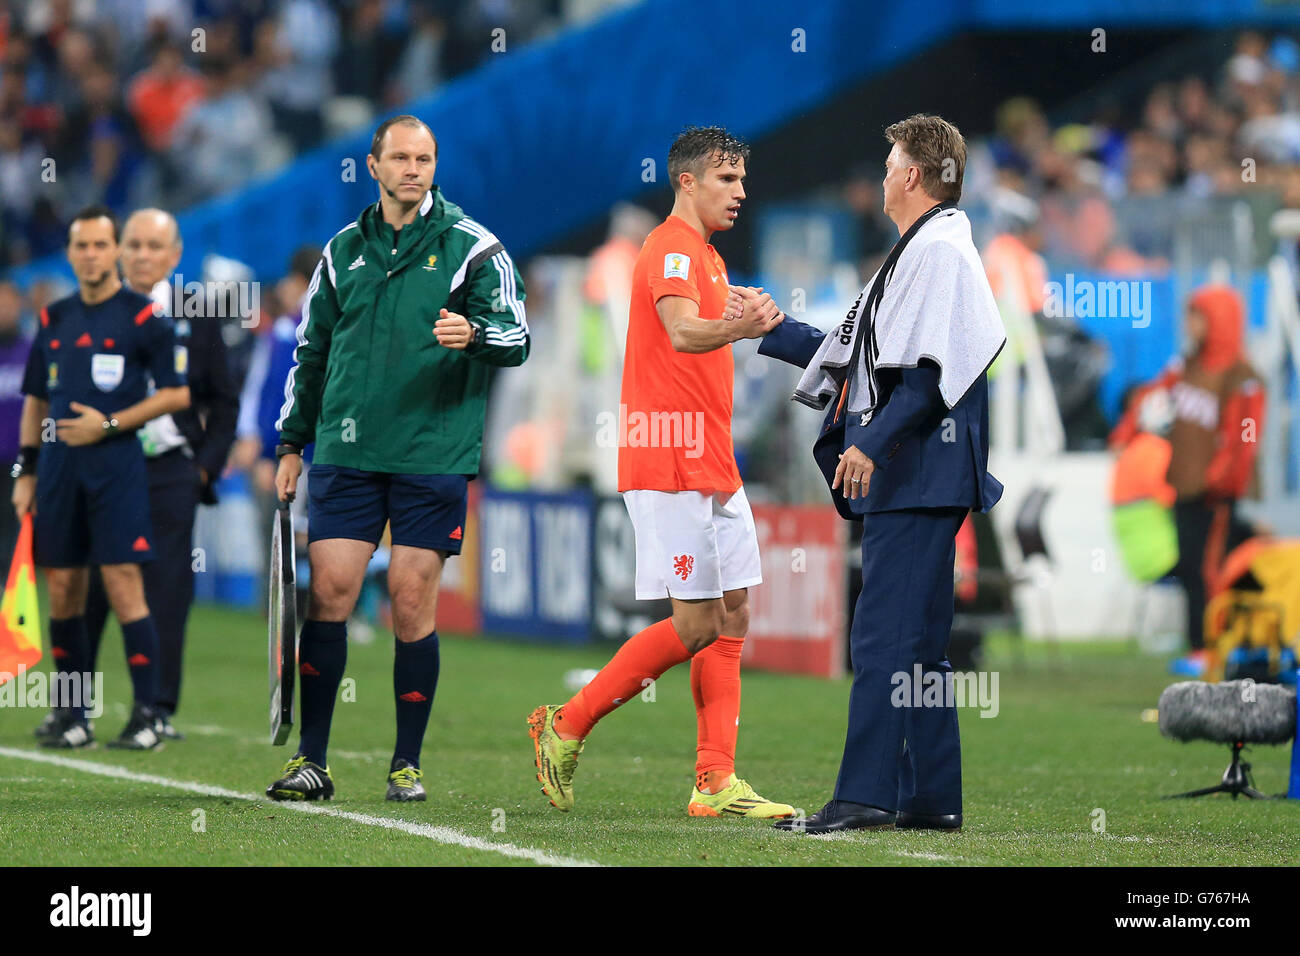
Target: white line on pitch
point(213, 730)
point(445, 835)
point(919, 855)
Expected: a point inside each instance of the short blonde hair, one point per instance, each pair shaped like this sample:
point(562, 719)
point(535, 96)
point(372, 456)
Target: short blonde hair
point(937, 148)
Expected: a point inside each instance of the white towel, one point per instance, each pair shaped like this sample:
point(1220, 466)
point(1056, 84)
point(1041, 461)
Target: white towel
point(936, 304)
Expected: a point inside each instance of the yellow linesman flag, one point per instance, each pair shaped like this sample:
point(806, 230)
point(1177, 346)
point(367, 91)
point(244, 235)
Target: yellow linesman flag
point(20, 619)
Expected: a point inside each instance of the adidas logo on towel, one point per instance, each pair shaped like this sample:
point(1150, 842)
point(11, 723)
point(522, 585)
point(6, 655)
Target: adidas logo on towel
point(357, 263)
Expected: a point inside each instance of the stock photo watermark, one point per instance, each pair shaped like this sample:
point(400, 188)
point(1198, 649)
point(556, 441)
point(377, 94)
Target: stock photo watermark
point(40, 690)
point(651, 430)
point(216, 299)
point(1101, 299)
point(921, 688)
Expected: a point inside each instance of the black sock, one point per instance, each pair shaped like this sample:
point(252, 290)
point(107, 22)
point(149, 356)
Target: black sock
point(70, 648)
point(322, 655)
point(415, 678)
point(141, 639)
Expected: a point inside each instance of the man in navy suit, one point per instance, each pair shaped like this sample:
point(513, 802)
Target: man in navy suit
point(904, 446)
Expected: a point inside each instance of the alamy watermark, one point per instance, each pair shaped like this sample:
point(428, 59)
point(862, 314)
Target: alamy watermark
point(1105, 299)
point(217, 299)
point(921, 688)
point(651, 430)
point(43, 691)
point(133, 911)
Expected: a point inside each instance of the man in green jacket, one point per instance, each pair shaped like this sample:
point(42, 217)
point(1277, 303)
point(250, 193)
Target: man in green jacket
point(406, 311)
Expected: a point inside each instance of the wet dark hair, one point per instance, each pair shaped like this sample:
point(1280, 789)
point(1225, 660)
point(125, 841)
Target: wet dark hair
point(699, 146)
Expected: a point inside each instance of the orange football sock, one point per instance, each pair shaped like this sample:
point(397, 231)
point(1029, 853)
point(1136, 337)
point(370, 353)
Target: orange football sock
point(643, 657)
point(715, 684)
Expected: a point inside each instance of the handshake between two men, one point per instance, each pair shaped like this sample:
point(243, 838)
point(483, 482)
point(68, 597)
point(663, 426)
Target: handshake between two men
point(760, 315)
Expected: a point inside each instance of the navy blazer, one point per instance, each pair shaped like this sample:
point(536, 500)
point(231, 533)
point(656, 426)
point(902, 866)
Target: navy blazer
point(208, 424)
point(926, 454)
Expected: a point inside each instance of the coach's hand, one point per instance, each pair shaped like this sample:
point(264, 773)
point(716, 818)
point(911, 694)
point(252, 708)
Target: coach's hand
point(753, 310)
point(452, 330)
point(735, 304)
point(24, 496)
point(854, 471)
point(286, 476)
point(86, 429)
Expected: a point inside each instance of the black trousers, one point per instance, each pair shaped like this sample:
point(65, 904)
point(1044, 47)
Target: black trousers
point(168, 578)
point(1193, 519)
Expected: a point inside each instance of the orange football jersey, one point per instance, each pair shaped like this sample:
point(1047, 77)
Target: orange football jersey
point(675, 414)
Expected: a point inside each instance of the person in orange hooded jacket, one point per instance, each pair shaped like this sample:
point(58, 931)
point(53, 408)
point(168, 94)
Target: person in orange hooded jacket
point(1216, 405)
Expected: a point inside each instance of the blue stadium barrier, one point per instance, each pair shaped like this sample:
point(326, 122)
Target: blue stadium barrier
point(1139, 353)
point(1293, 783)
point(535, 564)
point(229, 541)
point(1035, 15)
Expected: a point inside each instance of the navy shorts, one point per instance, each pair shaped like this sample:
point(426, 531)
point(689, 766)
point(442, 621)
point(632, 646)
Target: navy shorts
point(424, 511)
point(92, 505)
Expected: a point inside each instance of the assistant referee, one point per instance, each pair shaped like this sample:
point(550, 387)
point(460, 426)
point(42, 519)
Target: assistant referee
point(408, 310)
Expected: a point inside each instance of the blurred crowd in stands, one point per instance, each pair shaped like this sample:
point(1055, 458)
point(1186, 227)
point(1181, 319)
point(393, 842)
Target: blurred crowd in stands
point(192, 98)
point(118, 98)
point(1150, 178)
point(168, 102)
point(1104, 193)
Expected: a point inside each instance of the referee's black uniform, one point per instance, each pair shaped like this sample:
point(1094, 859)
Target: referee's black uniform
point(201, 439)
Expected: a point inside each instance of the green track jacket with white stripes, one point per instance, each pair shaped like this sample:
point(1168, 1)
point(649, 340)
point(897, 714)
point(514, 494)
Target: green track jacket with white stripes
point(371, 385)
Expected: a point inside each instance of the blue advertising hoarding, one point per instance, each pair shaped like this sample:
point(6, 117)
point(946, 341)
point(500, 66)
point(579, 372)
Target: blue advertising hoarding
point(535, 564)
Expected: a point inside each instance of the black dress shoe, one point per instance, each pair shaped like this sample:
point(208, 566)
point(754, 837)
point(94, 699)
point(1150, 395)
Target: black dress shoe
point(840, 815)
point(927, 821)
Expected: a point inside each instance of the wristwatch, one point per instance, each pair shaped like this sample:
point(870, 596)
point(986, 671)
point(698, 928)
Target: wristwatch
point(287, 448)
point(25, 463)
point(475, 334)
point(110, 426)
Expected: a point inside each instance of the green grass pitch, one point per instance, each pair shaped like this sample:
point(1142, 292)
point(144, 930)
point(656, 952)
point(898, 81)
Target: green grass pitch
point(1067, 746)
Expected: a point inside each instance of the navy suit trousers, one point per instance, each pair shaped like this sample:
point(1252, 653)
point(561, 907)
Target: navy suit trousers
point(903, 757)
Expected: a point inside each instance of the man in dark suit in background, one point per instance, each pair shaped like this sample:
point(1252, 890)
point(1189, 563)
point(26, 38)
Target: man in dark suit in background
point(905, 447)
point(185, 453)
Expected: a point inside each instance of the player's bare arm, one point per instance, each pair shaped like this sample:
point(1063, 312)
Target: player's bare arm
point(690, 333)
point(745, 301)
point(89, 425)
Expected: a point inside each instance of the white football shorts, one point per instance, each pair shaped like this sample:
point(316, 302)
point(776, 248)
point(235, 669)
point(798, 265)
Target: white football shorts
point(692, 545)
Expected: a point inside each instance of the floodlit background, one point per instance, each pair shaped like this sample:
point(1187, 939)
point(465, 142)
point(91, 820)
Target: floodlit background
point(1138, 151)
point(1122, 155)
